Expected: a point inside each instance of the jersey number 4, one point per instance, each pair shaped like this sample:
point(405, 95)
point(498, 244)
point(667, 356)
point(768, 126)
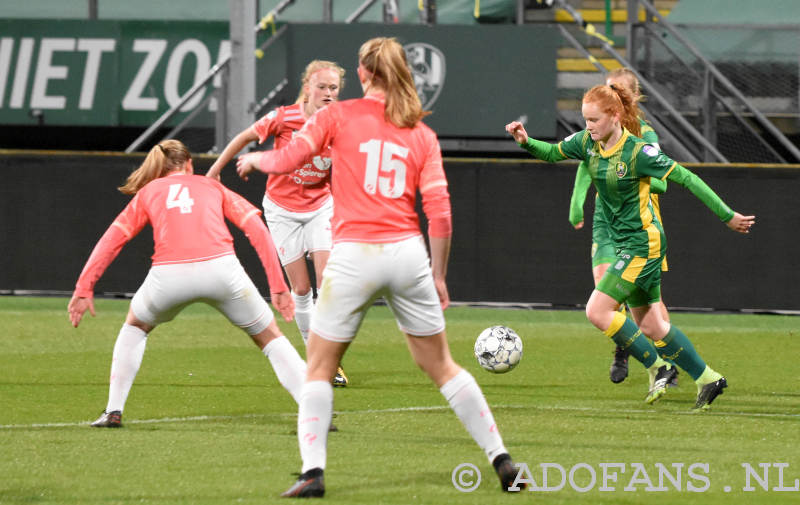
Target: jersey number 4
point(385, 171)
point(180, 198)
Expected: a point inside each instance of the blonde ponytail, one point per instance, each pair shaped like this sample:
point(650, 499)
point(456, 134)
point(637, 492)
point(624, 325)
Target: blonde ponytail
point(385, 59)
point(163, 158)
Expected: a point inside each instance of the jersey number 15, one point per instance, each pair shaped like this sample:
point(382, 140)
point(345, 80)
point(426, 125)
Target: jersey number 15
point(382, 157)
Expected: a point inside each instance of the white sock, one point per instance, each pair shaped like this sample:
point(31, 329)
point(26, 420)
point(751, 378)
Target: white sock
point(466, 399)
point(303, 307)
point(125, 362)
point(313, 420)
point(288, 365)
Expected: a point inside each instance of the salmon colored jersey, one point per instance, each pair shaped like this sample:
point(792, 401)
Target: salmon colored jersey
point(379, 168)
point(187, 213)
point(308, 187)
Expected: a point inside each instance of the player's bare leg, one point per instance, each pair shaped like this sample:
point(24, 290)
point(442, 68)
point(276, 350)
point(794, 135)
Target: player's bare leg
point(432, 355)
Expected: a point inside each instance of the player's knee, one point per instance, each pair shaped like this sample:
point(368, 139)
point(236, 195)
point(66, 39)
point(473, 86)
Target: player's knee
point(595, 316)
point(301, 288)
point(263, 330)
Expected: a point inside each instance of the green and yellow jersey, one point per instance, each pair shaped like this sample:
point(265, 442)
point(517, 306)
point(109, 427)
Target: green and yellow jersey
point(621, 175)
point(583, 180)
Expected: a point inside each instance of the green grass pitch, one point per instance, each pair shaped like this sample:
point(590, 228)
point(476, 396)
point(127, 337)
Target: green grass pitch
point(207, 422)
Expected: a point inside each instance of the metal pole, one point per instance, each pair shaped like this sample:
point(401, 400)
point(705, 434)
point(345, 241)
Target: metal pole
point(220, 126)
point(242, 81)
point(327, 11)
point(708, 111)
point(427, 14)
point(391, 15)
point(92, 9)
point(633, 24)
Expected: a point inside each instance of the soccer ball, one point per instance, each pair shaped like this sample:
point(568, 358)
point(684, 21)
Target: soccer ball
point(498, 349)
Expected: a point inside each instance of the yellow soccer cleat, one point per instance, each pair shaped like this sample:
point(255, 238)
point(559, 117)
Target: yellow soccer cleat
point(340, 379)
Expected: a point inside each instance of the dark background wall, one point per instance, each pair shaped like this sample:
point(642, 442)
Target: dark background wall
point(512, 241)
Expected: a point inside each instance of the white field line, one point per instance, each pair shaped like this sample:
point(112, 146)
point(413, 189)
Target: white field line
point(555, 408)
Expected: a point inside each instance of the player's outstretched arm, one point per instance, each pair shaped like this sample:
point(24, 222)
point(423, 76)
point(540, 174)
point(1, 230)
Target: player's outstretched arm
point(233, 148)
point(740, 223)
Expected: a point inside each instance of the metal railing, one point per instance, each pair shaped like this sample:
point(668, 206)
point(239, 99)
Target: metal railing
point(679, 140)
point(717, 96)
point(694, 106)
point(221, 69)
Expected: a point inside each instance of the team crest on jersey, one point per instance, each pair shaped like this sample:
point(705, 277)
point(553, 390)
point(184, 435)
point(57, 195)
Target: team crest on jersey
point(427, 66)
point(321, 163)
point(621, 169)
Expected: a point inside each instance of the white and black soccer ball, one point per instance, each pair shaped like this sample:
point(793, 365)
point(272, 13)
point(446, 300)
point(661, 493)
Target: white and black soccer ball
point(498, 349)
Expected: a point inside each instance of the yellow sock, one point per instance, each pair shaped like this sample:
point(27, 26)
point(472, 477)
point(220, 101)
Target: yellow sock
point(708, 376)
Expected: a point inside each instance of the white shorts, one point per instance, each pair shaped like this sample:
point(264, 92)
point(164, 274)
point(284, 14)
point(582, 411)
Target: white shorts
point(220, 282)
point(296, 233)
point(358, 273)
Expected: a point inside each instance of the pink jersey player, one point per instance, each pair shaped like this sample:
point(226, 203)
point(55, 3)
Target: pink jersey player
point(380, 166)
point(307, 187)
point(298, 205)
point(382, 155)
point(187, 213)
point(194, 260)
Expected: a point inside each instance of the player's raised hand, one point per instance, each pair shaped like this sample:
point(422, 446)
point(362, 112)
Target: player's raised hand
point(517, 130)
point(741, 223)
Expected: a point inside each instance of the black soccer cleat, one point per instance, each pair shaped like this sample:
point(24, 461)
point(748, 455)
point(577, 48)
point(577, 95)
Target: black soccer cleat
point(507, 473)
point(708, 393)
point(663, 376)
point(619, 367)
point(673, 382)
point(111, 419)
point(310, 484)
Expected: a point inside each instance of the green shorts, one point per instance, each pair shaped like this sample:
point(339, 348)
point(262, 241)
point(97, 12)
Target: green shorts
point(634, 280)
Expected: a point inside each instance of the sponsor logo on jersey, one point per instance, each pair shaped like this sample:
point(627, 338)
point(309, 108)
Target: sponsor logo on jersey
point(427, 64)
point(650, 150)
point(621, 169)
